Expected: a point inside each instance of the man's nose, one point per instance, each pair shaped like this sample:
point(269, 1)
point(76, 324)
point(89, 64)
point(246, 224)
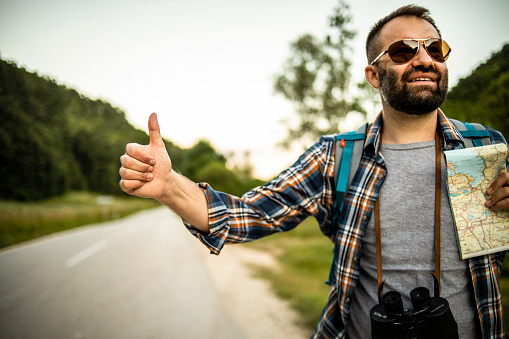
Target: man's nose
point(423, 58)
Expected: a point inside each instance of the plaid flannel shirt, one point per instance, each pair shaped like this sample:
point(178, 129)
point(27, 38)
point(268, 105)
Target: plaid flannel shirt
point(307, 189)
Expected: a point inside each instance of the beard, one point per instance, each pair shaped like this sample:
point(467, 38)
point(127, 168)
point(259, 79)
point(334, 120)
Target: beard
point(421, 100)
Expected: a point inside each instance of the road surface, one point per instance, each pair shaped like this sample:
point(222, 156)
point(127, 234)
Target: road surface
point(139, 277)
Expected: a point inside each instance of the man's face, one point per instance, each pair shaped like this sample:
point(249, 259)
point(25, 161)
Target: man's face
point(419, 86)
point(412, 99)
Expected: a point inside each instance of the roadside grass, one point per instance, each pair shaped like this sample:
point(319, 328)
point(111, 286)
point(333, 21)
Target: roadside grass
point(304, 256)
point(25, 221)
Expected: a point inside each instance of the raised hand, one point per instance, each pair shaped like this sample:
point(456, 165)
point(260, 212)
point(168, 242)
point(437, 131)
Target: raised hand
point(146, 169)
point(146, 172)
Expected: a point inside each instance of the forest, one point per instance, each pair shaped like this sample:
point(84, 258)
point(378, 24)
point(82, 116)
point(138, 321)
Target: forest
point(483, 96)
point(55, 140)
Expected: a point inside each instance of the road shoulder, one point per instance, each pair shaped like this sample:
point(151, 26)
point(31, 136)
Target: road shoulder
point(250, 300)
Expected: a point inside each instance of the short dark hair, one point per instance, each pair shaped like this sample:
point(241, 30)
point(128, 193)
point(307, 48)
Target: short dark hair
point(373, 46)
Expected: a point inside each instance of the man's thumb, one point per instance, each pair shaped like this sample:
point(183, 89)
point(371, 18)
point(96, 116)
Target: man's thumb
point(154, 132)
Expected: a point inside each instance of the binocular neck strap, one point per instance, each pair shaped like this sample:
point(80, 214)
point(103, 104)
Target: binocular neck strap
point(438, 189)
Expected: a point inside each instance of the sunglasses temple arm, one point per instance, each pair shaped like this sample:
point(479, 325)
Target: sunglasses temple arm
point(379, 56)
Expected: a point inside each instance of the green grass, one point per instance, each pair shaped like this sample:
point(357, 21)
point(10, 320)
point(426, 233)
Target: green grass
point(25, 221)
point(305, 255)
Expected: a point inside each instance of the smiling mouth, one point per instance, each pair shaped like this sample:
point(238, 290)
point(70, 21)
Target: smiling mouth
point(421, 79)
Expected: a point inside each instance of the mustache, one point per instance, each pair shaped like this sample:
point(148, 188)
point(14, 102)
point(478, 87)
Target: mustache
point(421, 69)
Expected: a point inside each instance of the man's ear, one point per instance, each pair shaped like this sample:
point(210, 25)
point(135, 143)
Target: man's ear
point(371, 73)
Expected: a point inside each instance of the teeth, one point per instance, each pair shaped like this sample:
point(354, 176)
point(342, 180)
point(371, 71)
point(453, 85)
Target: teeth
point(422, 79)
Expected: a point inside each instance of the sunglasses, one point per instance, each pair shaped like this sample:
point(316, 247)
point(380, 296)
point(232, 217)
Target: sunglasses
point(403, 51)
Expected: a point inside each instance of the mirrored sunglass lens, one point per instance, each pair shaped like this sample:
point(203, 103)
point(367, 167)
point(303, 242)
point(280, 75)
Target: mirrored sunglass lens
point(436, 50)
point(402, 51)
point(439, 50)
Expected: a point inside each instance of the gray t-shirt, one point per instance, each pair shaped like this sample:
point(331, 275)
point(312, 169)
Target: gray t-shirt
point(407, 230)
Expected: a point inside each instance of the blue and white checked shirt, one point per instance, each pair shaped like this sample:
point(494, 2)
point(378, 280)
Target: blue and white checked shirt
point(307, 189)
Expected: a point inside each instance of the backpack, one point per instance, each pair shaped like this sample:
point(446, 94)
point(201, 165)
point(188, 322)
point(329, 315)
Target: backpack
point(349, 148)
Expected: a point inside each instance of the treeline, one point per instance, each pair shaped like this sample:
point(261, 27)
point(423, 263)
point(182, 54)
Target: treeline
point(55, 140)
point(484, 95)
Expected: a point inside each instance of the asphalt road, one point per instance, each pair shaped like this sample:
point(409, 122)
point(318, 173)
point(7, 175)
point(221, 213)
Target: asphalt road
point(138, 277)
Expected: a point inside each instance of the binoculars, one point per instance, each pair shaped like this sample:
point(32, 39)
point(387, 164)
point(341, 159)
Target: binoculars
point(430, 317)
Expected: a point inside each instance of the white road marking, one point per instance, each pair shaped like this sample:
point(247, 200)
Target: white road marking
point(89, 251)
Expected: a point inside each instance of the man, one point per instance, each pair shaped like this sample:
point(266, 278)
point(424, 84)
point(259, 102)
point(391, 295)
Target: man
point(399, 153)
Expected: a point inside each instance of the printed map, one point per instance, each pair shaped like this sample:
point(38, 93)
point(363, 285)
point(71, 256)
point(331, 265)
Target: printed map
point(470, 172)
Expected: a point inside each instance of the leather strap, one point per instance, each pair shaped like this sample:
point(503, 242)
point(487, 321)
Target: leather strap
point(378, 244)
point(438, 189)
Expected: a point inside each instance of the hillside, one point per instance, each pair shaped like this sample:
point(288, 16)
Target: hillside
point(483, 96)
point(55, 140)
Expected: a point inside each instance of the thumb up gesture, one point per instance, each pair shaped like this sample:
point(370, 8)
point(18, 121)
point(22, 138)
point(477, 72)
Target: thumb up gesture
point(146, 169)
point(146, 172)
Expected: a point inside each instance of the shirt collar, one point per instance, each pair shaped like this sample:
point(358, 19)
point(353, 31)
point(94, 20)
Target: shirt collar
point(373, 136)
point(450, 134)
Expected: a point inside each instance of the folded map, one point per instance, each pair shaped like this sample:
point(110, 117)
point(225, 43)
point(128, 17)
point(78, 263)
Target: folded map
point(470, 172)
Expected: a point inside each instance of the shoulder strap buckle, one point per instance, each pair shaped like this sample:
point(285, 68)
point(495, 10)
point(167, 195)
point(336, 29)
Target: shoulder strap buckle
point(474, 135)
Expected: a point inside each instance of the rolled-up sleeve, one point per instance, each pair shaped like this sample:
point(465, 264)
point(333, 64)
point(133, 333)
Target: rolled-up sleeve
point(305, 189)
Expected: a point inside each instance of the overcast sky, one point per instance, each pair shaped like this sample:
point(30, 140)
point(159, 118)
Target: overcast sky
point(207, 66)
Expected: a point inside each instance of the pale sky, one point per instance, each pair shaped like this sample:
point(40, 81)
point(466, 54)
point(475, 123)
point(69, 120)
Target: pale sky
point(207, 66)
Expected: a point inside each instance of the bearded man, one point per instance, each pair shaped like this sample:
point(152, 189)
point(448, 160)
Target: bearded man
point(398, 187)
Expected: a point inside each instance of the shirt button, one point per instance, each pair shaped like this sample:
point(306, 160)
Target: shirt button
point(364, 218)
point(380, 177)
point(347, 300)
point(355, 259)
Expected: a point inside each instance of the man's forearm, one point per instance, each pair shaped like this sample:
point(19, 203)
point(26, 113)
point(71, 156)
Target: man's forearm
point(187, 200)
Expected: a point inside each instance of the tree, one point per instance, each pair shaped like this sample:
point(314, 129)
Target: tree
point(55, 140)
point(483, 96)
point(316, 78)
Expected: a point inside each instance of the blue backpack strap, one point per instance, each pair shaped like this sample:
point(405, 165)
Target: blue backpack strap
point(474, 134)
point(348, 149)
point(348, 153)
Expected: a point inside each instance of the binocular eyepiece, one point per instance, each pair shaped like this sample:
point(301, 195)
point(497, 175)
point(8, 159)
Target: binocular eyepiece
point(419, 296)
